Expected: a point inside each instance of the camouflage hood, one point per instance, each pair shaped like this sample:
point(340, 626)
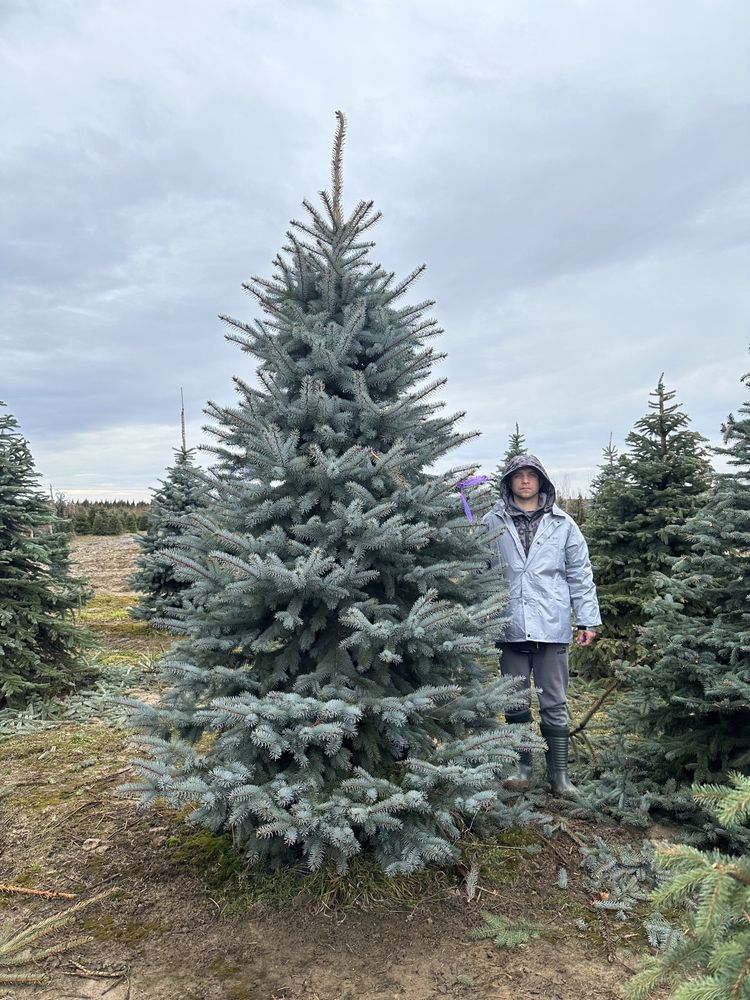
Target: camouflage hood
point(546, 488)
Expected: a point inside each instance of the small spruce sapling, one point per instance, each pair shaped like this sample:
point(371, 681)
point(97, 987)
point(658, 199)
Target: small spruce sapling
point(184, 491)
point(516, 446)
point(505, 932)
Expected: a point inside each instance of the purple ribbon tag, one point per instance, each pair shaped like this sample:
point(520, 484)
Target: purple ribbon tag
point(462, 487)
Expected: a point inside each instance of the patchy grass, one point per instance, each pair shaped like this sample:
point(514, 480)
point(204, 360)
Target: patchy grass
point(106, 617)
point(213, 859)
point(364, 887)
point(500, 857)
point(221, 868)
point(207, 855)
point(129, 932)
point(67, 743)
point(58, 768)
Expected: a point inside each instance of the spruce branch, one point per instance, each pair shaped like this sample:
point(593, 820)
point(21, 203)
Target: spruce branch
point(16, 948)
point(505, 931)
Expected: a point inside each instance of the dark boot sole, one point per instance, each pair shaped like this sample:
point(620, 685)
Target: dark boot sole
point(516, 786)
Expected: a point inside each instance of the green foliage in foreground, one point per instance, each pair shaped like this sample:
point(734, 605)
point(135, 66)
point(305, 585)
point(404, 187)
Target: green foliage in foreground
point(712, 960)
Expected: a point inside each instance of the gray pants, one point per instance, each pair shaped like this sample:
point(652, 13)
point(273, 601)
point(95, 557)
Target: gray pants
point(548, 662)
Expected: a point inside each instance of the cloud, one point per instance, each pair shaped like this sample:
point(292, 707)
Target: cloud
point(79, 467)
point(575, 174)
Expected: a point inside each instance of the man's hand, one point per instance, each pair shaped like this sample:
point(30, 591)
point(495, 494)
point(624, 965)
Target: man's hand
point(586, 637)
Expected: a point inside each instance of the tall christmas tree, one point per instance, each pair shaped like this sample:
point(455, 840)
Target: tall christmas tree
point(686, 715)
point(40, 644)
point(641, 499)
point(341, 609)
point(182, 492)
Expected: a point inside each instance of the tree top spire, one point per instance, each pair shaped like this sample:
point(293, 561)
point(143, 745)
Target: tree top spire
point(336, 158)
point(182, 419)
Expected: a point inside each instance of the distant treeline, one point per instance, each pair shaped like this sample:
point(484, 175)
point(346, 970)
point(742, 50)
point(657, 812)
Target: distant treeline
point(102, 517)
point(577, 507)
point(115, 517)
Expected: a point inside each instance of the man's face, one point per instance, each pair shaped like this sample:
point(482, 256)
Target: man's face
point(525, 483)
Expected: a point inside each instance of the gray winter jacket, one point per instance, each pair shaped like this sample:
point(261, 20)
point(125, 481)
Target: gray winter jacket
point(554, 578)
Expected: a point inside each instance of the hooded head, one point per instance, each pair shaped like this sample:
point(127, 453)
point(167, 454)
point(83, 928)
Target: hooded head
point(546, 489)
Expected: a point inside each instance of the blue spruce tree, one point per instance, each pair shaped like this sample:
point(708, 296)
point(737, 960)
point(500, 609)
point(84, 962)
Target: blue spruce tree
point(335, 689)
point(182, 492)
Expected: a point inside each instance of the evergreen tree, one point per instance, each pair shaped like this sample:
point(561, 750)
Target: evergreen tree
point(602, 524)
point(516, 446)
point(116, 524)
point(182, 492)
point(686, 715)
point(40, 643)
point(100, 523)
point(711, 957)
point(640, 501)
point(339, 635)
point(82, 521)
point(64, 521)
point(576, 506)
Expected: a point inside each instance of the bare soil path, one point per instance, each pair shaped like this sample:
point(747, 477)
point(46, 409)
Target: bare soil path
point(107, 561)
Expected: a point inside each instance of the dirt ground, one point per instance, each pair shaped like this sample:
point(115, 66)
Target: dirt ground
point(183, 925)
point(107, 561)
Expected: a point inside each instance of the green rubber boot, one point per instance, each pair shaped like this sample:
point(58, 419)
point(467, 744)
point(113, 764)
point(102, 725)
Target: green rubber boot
point(557, 739)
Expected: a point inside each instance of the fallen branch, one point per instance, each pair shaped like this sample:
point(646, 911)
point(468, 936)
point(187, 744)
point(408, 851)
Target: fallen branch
point(564, 828)
point(558, 852)
point(595, 708)
point(84, 805)
point(84, 973)
point(589, 747)
point(45, 893)
point(111, 777)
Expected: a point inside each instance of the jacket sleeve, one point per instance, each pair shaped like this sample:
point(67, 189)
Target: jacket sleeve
point(581, 579)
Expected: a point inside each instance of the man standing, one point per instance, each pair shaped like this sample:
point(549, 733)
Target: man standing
point(546, 563)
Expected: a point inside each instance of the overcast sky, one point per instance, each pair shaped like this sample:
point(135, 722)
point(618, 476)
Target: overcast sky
point(576, 176)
